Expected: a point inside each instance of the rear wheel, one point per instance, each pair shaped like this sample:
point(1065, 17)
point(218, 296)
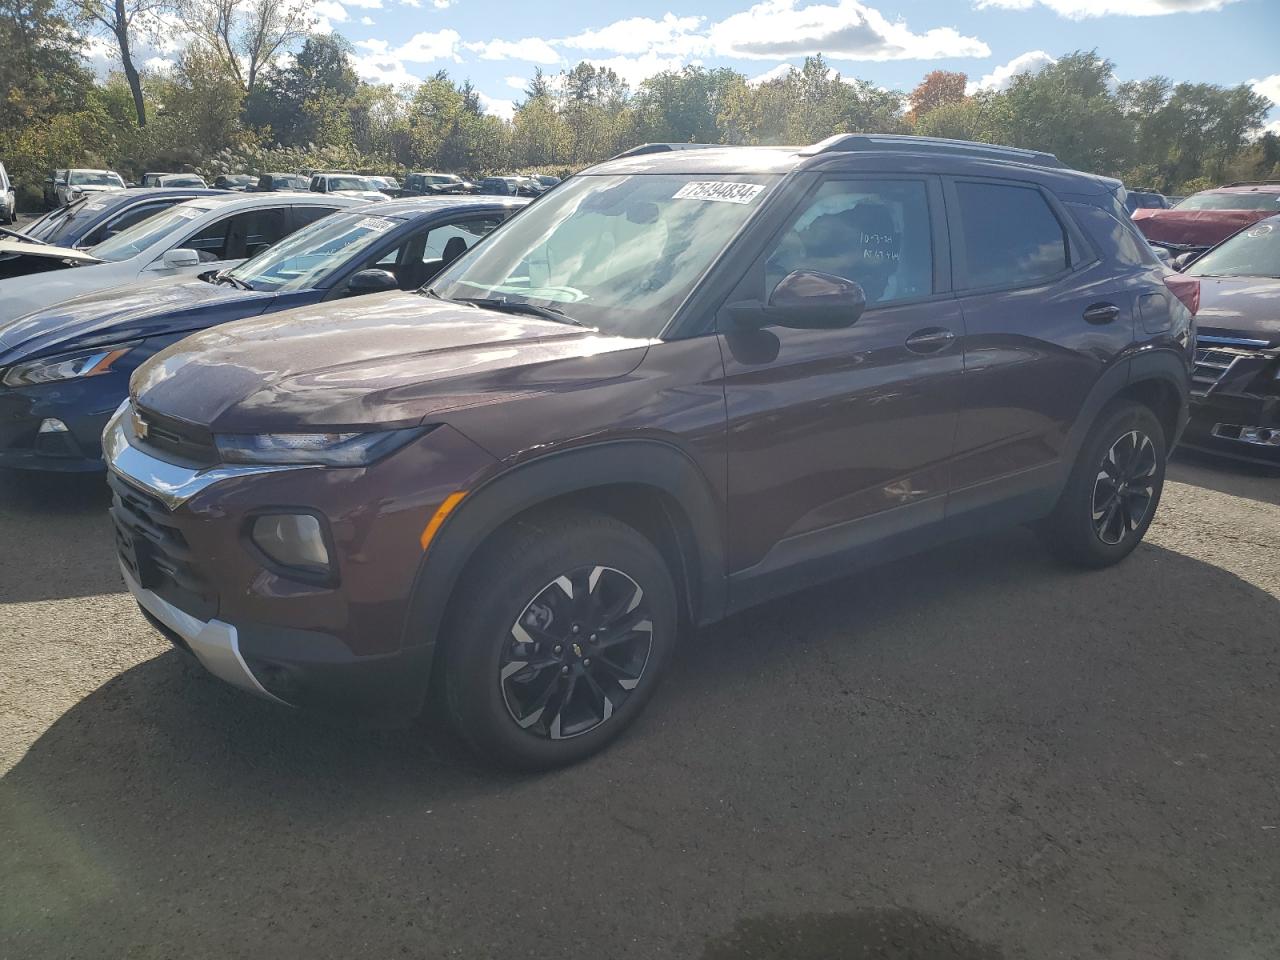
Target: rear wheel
point(557, 638)
point(1113, 491)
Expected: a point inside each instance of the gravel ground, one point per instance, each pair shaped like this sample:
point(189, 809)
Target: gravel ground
point(973, 754)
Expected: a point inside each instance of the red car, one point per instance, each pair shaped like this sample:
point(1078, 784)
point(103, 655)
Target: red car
point(1207, 218)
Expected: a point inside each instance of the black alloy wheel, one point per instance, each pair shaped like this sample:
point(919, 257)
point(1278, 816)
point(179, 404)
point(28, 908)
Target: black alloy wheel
point(576, 652)
point(1124, 487)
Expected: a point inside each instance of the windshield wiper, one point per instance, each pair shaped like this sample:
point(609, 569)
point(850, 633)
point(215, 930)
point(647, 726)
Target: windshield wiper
point(236, 282)
point(18, 236)
point(521, 306)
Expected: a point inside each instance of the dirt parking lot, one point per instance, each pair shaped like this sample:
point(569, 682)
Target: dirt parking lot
point(973, 754)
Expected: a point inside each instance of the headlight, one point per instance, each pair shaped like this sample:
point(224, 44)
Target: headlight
point(90, 363)
point(323, 449)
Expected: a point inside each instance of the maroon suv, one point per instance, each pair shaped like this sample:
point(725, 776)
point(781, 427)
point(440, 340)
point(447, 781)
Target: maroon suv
point(1210, 216)
point(679, 384)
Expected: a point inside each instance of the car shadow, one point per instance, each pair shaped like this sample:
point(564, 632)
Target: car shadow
point(66, 516)
point(976, 716)
point(1232, 477)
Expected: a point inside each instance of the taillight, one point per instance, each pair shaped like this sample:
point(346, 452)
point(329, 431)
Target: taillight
point(1186, 289)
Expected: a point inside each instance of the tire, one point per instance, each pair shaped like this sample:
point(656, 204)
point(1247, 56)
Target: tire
point(548, 591)
point(1113, 491)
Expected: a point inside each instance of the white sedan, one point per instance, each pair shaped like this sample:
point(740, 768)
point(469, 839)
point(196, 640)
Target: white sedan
point(208, 233)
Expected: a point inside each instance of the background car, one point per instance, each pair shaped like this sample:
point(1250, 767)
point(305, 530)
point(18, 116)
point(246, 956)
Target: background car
point(1145, 200)
point(1235, 389)
point(8, 198)
point(54, 402)
point(1210, 216)
point(77, 183)
point(92, 219)
point(234, 181)
point(294, 182)
point(208, 233)
point(50, 189)
point(510, 186)
point(347, 185)
point(428, 184)
point(546, 180)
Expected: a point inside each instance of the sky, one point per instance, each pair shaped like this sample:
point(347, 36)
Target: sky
point(892, 43)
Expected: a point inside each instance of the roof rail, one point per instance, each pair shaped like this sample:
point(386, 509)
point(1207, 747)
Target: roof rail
point(857, 142)
point(1254, 183)
point(645, 148)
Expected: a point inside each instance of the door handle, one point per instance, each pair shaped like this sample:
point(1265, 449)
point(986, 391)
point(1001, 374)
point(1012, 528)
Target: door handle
point(930, 340)
point(1100, 313)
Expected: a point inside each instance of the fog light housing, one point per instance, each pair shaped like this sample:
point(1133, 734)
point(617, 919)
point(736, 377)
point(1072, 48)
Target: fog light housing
point(53, 425)
point(293, 540)
point(1258, 436)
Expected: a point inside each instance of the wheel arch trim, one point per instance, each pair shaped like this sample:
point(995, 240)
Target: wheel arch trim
point(645, 462)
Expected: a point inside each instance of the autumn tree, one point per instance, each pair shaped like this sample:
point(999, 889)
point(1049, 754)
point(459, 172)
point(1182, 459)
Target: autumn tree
point(938, 89)
point(246, 35)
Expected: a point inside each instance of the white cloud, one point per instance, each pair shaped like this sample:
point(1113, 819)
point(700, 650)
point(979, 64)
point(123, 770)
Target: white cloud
point(327, 13)
point(515, 83)
point(503, 109)
point(366, 21)
point(532, 49)
point(1033, 61)
point(438, 4)
point(637, 35)
point(158, 64)
point(773, 73)
point(634, 70)
point(410, 3)
point(383, 63)
point(1268, 87)
point(1080, 9)
point(844, 30)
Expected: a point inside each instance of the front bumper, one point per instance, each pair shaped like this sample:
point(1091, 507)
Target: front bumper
point(341, 645)
point(1216, 422)
point(81, 406)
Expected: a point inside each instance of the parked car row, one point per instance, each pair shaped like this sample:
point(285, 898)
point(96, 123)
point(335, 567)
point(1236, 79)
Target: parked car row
point(1204, 219)
point(384, 459)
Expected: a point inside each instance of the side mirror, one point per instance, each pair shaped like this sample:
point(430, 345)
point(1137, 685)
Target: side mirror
point(372, 281)
point(804, 300)
point(180, 258)
point(1184, 260)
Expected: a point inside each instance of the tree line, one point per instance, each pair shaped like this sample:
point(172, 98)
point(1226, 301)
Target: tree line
point(233, 102)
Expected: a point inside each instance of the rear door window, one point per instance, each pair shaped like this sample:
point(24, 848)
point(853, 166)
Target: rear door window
point(241, 235)
point(1010, 236)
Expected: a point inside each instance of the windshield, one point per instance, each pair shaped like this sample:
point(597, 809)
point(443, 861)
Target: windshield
point(440, 178)
point(1231, 201)
point(301, 260)
point(131, 242)
point(1254, 252)
point(183, 182)
point(620, 253)
point(95, 178)
point(350, 183)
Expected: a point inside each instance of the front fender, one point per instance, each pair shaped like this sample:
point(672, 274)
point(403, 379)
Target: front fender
point(652, 463)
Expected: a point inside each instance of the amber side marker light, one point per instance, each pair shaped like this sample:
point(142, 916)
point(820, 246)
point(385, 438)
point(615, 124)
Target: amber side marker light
point(439, 517)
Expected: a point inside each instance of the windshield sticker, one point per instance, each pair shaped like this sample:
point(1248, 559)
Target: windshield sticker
point(1261, 230)
point(187, 213)
point(95, 204)
point(374, 223)
point(721, 190)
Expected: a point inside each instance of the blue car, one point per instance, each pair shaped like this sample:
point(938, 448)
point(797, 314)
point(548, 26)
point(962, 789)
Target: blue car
point(97, 216)
point(65, 369)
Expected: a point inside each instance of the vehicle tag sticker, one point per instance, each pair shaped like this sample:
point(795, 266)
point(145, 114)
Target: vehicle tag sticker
point(376, 224)
point(723, 191)
point(1261, 230)
point(95, 204)
point(188, 213)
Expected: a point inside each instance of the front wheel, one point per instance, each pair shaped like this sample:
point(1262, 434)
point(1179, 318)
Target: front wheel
point(1113, 491)
point(557, 638)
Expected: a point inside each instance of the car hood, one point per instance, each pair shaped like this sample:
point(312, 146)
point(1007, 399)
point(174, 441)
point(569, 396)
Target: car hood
point(116, 315)
point(387, 360)
point(34, 248)
point(1198, 228)
point(360, 194)
point(1247, 307)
